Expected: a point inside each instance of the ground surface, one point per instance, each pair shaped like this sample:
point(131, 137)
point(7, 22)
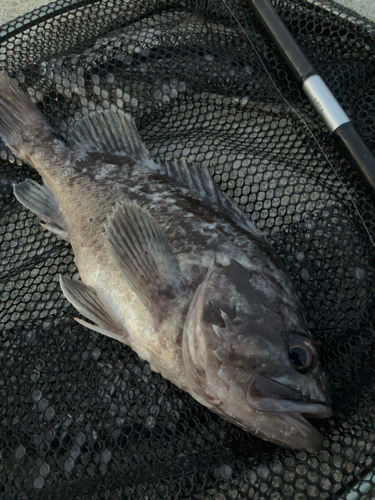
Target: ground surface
point(11, 9)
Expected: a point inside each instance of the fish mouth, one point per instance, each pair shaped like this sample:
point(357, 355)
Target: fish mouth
point(265, 394)
point(284, 411)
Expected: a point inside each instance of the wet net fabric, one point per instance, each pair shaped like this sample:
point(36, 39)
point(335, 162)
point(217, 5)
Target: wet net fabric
point(81, 416)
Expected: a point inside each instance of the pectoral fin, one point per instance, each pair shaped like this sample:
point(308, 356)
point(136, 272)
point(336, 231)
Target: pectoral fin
point(142, 253)
point(86, 301)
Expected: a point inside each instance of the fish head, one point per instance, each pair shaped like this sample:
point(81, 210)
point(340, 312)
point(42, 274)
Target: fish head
point(250, 356)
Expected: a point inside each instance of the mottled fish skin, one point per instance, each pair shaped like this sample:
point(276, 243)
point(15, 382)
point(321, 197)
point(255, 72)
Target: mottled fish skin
point(219, 324)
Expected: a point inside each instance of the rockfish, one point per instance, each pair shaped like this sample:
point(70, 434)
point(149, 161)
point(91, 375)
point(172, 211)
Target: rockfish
point(171, 267)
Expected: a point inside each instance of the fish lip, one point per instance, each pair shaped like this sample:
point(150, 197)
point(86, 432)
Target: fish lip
point(267, 395)
point(305, 435)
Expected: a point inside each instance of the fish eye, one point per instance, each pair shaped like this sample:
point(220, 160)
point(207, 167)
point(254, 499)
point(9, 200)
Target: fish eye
point(302, 353)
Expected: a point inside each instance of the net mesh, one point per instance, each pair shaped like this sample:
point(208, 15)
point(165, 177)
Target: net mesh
point(81, 415)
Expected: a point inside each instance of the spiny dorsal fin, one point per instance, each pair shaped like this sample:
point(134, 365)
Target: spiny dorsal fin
point(197, 180)
point(40, 200)
point(201, 185)
point(85, 299)
point(108, 131)
point(142, 253)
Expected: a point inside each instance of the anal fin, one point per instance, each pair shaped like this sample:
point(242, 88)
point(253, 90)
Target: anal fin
point(85, 299)
point(40, 200)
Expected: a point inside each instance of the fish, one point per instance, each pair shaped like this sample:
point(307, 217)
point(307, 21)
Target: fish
point(171, 267)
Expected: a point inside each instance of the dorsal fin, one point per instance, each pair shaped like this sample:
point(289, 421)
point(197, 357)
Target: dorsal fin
point(108, 131)
point(201, 185)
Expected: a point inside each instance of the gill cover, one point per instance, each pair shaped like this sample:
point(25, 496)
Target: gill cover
point(194, 348)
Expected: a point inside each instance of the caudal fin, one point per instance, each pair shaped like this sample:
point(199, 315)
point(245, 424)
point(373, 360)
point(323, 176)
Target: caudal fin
point(22, 125)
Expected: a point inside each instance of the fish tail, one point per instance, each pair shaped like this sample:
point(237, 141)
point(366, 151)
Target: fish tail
point(22, 126)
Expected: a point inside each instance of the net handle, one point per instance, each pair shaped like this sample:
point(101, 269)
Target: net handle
point(338, 123)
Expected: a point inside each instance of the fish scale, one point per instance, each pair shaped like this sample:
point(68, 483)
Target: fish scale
point(171, 267)
point(153, 192)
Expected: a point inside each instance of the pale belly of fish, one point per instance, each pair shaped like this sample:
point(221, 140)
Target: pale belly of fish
point(171, 267)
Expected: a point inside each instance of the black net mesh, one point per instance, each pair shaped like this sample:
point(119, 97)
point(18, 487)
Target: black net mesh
point(82, 416)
